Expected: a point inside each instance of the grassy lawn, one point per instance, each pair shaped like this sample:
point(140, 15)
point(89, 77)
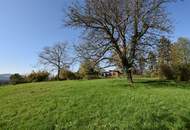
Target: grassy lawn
point(96, 104)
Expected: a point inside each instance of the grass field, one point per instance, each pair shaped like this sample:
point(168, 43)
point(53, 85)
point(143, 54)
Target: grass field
point(96, 104)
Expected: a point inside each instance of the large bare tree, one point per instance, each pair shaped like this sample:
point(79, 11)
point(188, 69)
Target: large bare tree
point(55, 57)
point(119, 27)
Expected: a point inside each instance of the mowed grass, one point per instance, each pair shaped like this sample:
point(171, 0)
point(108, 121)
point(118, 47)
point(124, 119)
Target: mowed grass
point(96, 105)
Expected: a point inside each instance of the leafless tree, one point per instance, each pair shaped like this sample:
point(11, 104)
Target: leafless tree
point(55, 57)
point(121, 27)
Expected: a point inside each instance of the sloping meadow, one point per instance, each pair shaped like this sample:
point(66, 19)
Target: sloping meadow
point(96, 104)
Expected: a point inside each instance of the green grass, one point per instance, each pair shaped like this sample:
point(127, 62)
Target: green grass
point(97, 104)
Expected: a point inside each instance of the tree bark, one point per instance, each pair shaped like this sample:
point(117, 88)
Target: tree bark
point(127, 69)
point(128, 73)
point(129, 76)
point(58, 74)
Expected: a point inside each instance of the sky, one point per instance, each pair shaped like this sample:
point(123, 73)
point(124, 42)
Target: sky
point(27, 26)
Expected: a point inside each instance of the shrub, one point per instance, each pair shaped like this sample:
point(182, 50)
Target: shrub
point(167, 72)
point(89, 73)
point(88, 70)
point(38, 76)
point(17, 79)
point(178, 72)
point(78, 76)
point(66, 74)
point(183, 72)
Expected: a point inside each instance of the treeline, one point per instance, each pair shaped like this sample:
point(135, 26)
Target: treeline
point(86, 71)
point(168, 61)
point(33, 77)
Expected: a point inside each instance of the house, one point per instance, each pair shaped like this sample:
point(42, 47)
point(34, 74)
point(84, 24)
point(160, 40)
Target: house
point(111, 74)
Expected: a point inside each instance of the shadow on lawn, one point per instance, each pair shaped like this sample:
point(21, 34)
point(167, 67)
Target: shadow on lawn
point(164, 83)
point(150, 83)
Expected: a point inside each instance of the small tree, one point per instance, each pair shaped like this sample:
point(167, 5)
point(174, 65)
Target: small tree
point(55, 57)
point(182, 72)
point(66, 74)
point(167, 72)
point(87, 70)
point(16, 79)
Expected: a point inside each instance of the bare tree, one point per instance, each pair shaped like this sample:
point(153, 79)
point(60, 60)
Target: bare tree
point(121, 27)
point(55, 57)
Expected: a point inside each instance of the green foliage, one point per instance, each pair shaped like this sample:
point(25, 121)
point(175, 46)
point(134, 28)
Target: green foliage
point(179, 72)
point(183, 72)
point(78, 76)
point(17, 79)
point(174, 59)
point(88, 70)
point(66, 74)
point(38, 76)
point(167, 72)
point(96, 104)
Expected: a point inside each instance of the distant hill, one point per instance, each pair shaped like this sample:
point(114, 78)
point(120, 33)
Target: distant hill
point(4, 77)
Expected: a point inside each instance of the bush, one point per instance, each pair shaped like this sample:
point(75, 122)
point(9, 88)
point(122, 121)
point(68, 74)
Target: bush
point(77, 76)
point(67, 75)
point(177, 72)
point(167, 72)
point(38, 76)
point(89, 73)
point(183, 72)
point(17, 79)
point(88, 70)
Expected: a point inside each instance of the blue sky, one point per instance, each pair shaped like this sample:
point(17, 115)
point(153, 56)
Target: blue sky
point(26, 26)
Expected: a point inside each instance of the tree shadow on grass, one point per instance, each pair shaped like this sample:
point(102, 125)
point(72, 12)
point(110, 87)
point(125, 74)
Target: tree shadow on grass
point(163, 83)
point(122, 83)
point(150, 83)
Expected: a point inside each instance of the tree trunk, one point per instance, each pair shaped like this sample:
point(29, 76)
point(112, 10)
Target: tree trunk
point(127, 70)
point(58, 74)
point(129, 76)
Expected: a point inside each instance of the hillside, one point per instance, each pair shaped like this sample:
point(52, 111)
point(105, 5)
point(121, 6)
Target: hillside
point(96, 104)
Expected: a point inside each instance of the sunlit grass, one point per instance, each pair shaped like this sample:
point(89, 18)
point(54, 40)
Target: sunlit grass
point(96, 104)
